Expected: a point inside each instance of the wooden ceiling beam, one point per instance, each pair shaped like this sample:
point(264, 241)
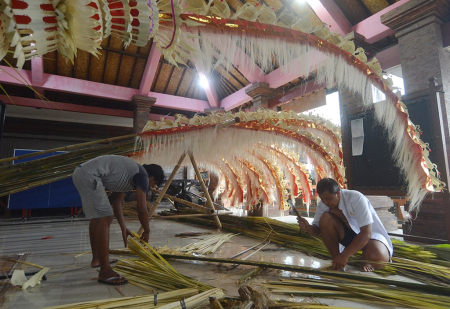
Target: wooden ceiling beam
point(372, 28)
point(150, 70)
point(329, 13)
point(236, 99)
point(9, 75)
point(67, 107)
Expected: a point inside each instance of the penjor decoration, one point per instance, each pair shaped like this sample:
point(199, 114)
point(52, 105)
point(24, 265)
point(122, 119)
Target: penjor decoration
point(31, 28)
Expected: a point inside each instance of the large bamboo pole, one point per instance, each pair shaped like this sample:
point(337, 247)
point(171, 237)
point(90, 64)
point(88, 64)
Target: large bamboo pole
point(164, 190)
point(189, 216)
point(205, 190)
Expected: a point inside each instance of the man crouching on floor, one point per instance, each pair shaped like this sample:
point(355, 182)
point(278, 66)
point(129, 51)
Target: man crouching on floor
point(119, 175)
point(348, 223)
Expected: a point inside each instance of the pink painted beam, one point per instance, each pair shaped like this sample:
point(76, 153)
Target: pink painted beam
point(66, 107)
point(9, 75)
point(284, 74)
point(329, 13)
point(150, 70)
point(295, 93)
point(175, 102)
point(84, 87)
point(236, 99)
point(210, 91)
point(251, 71)
point(372, 28)
point(389, 58)
point(68, 84)
point(37, 74)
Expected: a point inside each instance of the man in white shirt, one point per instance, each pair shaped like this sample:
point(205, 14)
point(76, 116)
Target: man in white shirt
point(348, 223)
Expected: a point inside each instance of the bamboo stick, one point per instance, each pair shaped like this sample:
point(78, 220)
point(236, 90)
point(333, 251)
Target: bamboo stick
point(205, 190)
point(164, 190)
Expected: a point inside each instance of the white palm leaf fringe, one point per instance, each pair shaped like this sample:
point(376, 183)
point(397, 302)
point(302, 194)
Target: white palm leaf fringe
point(331, 68)
point(237, 150)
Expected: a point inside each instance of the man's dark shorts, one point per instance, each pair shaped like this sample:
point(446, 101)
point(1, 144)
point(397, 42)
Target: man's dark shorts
point(349, 235)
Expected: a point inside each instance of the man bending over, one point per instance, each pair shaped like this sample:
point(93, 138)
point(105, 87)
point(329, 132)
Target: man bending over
point(119, 175)
point(348, 223)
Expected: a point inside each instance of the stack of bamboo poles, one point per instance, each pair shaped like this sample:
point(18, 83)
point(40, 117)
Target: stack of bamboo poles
point(409, 260)
point(26, 175)
point(153, 270)
point(359, 291)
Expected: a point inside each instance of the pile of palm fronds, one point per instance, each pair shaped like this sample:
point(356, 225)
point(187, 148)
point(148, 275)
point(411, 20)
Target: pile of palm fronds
point(153, 270)
point(27, 175)
point(409, 260)
point(141, 301)
point(167, 300)
point(208, 245)
point(359, 291)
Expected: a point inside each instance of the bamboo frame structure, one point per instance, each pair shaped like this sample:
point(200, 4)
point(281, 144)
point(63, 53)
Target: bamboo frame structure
point(205, 190)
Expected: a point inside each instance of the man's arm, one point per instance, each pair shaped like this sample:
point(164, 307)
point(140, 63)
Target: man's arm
point(311, 229)
point(117, 198)
point(359, 242)
point(143, 213)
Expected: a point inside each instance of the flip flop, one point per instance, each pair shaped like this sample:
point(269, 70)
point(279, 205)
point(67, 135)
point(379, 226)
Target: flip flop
point(111, 261)
point(108, 281)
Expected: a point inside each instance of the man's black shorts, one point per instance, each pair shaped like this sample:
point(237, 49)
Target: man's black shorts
point(349, 235)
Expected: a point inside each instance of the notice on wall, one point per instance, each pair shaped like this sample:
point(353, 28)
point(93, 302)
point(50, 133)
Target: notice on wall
point(357, 129)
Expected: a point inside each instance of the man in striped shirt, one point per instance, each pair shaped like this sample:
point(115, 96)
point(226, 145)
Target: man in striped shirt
point(119, 175)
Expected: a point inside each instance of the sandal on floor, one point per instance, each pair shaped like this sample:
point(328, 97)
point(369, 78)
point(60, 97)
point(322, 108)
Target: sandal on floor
point(109, 281)
point(111, 261)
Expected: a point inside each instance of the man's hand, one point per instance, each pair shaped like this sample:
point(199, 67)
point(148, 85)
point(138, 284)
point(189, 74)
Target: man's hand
point(125, 233)
point(339, 261)
point(145, 236)
point(304, 225)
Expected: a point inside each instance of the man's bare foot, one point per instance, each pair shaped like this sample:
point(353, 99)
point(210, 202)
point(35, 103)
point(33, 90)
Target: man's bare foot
point(111, 277)
point(367, 267)
point(96, 264)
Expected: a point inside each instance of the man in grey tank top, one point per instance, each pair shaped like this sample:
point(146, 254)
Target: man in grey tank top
point(118, 175)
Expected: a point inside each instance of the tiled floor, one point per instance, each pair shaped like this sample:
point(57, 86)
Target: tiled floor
point(71, 279)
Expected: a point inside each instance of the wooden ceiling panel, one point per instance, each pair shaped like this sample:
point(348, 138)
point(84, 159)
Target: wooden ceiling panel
point(50, 62)
point(97, 67)
point(374, 6)
point(162, 78)
point(186, 82)
point(353, 10)
point(174, 81)
point(65, 68)
point(115, 43)
point(125, 71)
point(111, 68)
point(146, 49)
point(81, 67)
point(138, 72)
